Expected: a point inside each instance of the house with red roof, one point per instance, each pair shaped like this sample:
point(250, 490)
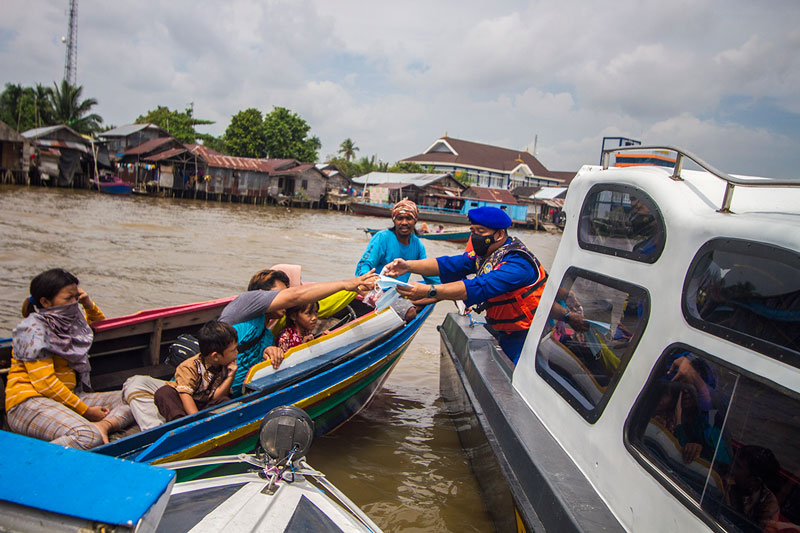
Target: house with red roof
point(486, 165)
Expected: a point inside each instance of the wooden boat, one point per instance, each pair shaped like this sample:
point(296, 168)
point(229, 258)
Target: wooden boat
point(331, 388)
point(44, 487)
point(450, 236)
point(113, 185)
point(673, 395)
point(434, 214)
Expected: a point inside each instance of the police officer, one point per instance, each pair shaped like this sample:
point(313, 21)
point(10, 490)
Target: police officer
point(508, 281)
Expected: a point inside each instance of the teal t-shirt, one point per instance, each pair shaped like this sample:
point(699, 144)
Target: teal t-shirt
point(384, 248)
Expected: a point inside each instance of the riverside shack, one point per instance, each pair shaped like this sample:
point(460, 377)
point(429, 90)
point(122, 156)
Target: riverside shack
point(15, 152)
point(72, 150)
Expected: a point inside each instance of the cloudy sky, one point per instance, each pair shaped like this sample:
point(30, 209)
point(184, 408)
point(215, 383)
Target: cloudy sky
point(719, 78)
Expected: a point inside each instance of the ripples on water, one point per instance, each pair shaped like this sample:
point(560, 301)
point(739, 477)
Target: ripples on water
point(400, 459)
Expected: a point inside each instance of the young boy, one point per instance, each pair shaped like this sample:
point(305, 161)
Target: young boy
point(204, 379)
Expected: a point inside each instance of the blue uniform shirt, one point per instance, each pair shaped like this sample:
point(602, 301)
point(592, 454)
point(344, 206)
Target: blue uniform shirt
point(513, 273)
point(384, 248)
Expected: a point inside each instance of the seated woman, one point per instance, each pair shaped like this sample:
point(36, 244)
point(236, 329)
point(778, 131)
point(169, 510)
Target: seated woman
point(267, 299)
point(301, 321)
point(47, 392)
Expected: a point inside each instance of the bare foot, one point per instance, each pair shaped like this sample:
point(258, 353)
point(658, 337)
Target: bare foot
point(104, 427)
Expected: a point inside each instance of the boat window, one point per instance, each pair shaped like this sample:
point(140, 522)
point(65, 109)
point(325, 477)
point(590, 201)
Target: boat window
point(722, 441)
point(623, 221)
point(747, 293)
point(582, 354)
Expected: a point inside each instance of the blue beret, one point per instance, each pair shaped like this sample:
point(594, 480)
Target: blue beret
point(491, 217)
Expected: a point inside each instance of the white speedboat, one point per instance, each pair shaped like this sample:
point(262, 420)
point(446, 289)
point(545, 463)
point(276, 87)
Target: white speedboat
point(668, 399)
point(48, 488)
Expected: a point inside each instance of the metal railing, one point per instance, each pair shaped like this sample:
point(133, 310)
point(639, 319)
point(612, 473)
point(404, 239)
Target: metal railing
point(731, 181)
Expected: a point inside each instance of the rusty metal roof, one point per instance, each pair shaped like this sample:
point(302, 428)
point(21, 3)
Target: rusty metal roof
point(165, 154)
point(218, 160)
point(500, 196)
point(148, 146)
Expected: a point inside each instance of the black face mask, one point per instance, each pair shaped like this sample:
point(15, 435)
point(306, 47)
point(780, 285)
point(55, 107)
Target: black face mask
point(481, 243)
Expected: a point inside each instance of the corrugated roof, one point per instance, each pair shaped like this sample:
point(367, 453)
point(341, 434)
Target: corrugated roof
point(472, 154)
point(378, 178)
point(52, 143)
point(128, 129)
point(218, 160)
point(548, 193)
point(165, 154)
point(7, 133)
point(554, 202)
point(38, 132)
point(148, 146)
point(500, 196)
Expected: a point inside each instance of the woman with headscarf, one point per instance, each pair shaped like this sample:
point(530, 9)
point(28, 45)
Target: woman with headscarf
point(48, 393)
point(399, 241)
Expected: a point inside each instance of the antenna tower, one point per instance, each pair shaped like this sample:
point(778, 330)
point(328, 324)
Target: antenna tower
point(71, 60)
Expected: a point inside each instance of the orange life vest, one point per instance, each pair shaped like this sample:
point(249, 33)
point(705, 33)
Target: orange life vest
point(512, 311)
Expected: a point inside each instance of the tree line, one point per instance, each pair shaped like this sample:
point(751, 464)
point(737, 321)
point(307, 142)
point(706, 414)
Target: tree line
point(280, 134)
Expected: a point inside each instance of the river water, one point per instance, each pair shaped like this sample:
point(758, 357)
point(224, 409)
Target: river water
point(399, 459)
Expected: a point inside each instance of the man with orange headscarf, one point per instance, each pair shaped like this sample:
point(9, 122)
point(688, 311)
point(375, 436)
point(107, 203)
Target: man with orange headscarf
point(398, 241)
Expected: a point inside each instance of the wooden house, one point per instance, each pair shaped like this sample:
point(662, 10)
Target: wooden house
point(483, 196)
point(120, 139)
point(74, 167)
point(15, 152)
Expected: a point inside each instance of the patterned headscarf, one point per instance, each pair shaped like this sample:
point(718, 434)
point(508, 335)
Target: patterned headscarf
point(61, 331)
point(405, 207)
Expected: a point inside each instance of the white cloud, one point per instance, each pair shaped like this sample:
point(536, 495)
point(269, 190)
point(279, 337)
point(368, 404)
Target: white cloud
point(395, 76)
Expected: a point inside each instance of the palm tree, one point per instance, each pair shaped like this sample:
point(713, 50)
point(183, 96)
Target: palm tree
point(69, 109)
point(42, 97)
point(348, 149)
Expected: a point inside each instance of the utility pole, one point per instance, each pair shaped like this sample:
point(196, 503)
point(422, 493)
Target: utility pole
point(71, 60)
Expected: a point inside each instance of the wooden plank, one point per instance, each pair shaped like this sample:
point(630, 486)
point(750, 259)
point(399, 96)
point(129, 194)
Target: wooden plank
point(155, 342)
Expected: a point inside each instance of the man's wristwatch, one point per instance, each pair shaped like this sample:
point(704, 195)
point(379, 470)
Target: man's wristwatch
point(432, 292)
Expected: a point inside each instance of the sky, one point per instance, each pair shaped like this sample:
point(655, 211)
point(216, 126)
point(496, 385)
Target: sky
point(720, 79)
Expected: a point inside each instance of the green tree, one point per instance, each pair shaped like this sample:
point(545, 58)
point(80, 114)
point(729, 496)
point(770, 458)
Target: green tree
point(286, 136)
point(463, 178)
point(215, 143)
point(407, 167)
point(348, 168)
point(365, 165)
point(24, 108)
point(348, 149)
point(179, 124)
point(70, 109)
point(244, 136)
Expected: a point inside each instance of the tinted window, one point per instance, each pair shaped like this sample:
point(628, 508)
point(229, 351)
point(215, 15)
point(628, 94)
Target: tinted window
point(622, 221)
point(584, 355)
point(721, 441)
point(748, 293)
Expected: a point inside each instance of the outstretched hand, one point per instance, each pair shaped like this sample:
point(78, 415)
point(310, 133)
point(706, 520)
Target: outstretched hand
point(396, 268)
point(363, 283)
point(417, 291)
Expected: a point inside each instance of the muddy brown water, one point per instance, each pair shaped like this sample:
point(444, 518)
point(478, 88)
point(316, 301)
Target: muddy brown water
point(399, 459)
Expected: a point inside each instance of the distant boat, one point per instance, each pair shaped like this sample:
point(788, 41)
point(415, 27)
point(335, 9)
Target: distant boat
point(449, 236)
point(113, 185)
point(434, 214)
